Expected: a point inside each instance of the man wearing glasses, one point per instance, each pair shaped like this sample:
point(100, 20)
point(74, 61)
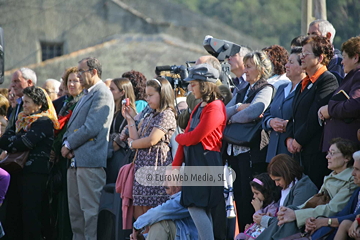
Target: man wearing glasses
point(85, 143)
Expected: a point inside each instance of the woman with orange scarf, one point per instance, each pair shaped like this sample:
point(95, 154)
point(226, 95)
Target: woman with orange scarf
point(34, 133)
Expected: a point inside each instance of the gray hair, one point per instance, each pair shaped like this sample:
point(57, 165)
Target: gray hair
point(356, 156)
point(244, 50)
point(262, 63)
point(56, 84)
point(325, 27)
point(28, 74)
point(214, 62)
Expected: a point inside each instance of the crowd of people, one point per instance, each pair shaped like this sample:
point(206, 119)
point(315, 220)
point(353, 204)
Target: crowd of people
point(79, 134)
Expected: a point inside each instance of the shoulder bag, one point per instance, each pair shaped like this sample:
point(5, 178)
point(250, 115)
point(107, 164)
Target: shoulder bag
point(14, 162)
point(241, 134)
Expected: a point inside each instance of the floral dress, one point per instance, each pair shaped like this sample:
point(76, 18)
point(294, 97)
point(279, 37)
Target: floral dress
point(157, 155)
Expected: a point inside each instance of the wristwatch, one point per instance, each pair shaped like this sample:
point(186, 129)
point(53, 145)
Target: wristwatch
point(329, 222)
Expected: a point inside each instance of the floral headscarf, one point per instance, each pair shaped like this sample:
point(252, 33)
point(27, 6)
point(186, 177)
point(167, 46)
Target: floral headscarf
point(24, 121)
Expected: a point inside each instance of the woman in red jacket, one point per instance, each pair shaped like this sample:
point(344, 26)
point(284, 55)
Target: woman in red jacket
point(200, 146)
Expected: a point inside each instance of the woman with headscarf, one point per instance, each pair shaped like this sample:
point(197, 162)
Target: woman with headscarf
point(34, 133)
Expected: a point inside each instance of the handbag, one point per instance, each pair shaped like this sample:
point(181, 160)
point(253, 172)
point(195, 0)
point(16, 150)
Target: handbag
point(241, 134)
point(14, 162)
point(321, 198)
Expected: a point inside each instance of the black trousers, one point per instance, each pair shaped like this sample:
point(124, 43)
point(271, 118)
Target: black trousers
point(242, 190)
point(27, 201)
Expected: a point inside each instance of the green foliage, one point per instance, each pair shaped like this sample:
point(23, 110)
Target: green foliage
point(275, 21)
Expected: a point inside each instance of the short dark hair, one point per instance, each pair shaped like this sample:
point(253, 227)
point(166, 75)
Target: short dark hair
point(347, 148)
point(282, 165)
point(352, 47)
point(38, 96)
point(320, 46)
point(296, 50)
point(93, 63)
point(269, 189)
point(296, 42)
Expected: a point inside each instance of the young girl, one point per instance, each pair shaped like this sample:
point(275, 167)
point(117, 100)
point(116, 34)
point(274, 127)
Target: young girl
point(151, 140)
point(265, 202)
point(200, 146)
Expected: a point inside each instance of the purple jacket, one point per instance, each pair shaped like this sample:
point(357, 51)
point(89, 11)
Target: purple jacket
point(345, 114)
point(4, 183)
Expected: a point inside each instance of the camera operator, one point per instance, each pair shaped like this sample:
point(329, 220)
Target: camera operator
point(184, 116)
point(237, 68)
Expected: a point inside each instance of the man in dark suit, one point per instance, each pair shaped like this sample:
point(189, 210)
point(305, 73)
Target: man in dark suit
point(21, 79)
point(85, 143)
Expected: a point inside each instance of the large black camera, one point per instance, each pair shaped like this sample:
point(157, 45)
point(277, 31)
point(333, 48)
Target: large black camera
point(222, 49)
point(174, 74)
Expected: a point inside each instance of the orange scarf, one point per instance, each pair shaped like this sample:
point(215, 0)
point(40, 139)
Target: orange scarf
point(24, 121)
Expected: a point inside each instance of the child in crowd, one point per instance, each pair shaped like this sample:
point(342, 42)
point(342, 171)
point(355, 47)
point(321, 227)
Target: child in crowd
point(265, 202)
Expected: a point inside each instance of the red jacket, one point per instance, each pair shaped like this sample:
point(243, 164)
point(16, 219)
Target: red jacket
point(209, 131)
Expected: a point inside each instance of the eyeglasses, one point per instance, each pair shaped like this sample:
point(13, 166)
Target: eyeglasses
point(332, 153)
point(82, 71)
point(304, 54)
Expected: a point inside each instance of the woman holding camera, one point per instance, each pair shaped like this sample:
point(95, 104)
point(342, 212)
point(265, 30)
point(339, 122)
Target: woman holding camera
point(123, 93)
point(151, 140)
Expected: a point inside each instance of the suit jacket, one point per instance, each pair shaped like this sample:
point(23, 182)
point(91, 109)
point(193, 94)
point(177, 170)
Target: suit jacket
point(305, 128)
point(14, 115)
point(280, 107)
point(345, 114)
point(88, 128)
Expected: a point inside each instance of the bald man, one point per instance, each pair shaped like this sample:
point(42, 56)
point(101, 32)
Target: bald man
point(52, 86)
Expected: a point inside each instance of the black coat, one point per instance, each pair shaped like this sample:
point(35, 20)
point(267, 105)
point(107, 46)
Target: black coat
point(306, 129)
point(38, 140)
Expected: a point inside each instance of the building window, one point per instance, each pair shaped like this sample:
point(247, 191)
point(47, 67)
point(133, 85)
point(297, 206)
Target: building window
point(51, 50)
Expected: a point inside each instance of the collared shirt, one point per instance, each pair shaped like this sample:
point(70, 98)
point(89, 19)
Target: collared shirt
point(313, 78)
point(92, 87)
point(287, 89)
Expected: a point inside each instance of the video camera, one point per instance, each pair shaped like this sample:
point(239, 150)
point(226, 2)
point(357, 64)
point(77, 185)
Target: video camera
point(174, 74)
point(222, 49)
